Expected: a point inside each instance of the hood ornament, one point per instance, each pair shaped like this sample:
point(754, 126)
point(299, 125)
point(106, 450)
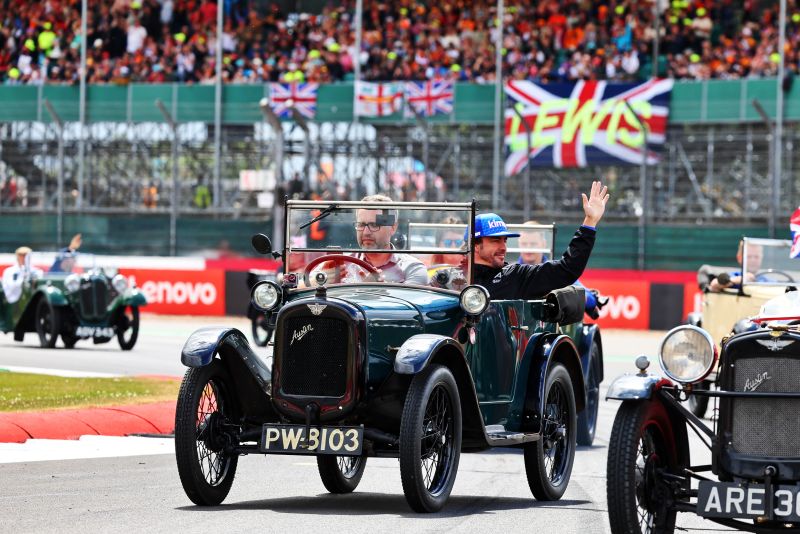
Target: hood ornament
point(316, 309)
point(775, 344)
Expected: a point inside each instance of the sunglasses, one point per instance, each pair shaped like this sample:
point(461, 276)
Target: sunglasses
point(452, 243)
point(373, 227)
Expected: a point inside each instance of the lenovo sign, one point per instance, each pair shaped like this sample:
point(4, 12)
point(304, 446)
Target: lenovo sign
point(181, 292)
point(628, 303)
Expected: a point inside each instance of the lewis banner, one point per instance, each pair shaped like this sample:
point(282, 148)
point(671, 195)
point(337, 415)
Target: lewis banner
point(584, 123)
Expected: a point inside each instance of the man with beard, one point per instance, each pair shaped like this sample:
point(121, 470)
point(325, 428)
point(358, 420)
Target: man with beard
point(520, 281)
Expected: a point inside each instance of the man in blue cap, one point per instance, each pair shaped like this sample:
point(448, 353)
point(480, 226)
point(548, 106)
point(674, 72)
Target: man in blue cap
point(520, 281)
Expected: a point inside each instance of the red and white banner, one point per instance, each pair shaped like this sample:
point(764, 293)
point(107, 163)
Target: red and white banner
point(181, 292)
point(378, 99)
point(628, 303)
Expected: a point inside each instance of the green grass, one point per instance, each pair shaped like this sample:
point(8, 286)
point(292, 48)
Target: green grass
point(23, 391)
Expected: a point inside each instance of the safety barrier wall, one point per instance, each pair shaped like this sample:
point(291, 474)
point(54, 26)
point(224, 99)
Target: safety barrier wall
point(712, 101)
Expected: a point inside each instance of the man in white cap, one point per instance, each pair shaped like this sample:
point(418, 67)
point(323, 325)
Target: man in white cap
point(520, 281)
point(14, 276)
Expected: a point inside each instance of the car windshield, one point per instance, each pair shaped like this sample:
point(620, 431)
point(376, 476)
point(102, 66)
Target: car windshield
point(768, 262)
point(534, 244)
point(347, 241)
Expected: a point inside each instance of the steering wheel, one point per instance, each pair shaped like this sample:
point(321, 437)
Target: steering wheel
point(766, 272)
point(337, 259)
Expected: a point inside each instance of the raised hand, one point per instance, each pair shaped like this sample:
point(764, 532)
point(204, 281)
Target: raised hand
point(595, 204)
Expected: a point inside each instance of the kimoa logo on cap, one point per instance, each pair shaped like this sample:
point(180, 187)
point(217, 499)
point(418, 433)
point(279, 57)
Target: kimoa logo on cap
point(496, 224)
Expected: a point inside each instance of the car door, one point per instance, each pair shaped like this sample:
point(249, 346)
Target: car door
point(494, 357)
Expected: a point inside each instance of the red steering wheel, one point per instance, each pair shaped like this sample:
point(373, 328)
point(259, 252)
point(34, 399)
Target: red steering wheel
point(338, 259)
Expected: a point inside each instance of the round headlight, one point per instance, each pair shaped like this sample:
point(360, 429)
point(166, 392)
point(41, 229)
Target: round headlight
point(120, 283)
point(72, 283)
point(687, 354)
point(266, 295)
point(474, 300)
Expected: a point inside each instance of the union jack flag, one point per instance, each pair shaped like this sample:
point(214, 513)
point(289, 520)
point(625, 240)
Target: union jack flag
point(301, 96)
point(794, 226)
point(429, 98)
point(585, 123)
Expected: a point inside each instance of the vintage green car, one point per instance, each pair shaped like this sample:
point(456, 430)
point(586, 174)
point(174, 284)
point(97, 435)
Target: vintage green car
point(361, 366)
point(73, 306)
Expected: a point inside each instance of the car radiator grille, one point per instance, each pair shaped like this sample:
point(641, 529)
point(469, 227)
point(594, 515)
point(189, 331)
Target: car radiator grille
point(766, 426)
point(93, 299)
point(315, 357)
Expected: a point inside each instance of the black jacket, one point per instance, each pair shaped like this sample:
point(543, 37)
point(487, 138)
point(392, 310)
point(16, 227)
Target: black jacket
point(520, 281)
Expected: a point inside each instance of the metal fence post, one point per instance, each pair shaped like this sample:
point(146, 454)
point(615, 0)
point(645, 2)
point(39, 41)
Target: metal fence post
point(527, 185)
point(60, 190)
point(642, 249)
point(173, 212)
point(277, 210)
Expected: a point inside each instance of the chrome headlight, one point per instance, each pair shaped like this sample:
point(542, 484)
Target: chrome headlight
point(120, 283)
point(266, 295)
point(474, 300)
point(72, 283)
point(687, 354)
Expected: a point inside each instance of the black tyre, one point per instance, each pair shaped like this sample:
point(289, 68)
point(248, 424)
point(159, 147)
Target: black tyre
point(587, 419)
point(205, 404)
point(642, 442)
point(128, 327)
point(69, 340)
point(698, 404)
point(430, 439)
point(341, 474)
point(262, 333)
point(48, 323)
point(548, 462)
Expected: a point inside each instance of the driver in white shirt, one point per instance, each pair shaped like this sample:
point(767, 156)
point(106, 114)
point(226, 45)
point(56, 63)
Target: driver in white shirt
point(15, 276)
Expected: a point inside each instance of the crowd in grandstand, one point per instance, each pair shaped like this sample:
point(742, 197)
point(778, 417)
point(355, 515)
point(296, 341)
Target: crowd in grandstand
point(550, 40)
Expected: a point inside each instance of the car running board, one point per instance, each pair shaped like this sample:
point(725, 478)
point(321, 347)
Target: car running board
point(497, 436)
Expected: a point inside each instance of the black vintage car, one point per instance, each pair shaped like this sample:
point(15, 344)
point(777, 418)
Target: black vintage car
point(363, 367)
point(753, 481)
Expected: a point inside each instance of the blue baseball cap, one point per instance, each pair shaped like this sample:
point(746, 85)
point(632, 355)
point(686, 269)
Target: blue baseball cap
point(491, 225)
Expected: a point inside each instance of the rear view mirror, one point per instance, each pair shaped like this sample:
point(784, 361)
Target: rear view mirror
point(261, 243)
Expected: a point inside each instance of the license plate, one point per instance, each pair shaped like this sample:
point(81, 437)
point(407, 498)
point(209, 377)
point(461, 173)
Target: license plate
point(728, 499)
point(94, 331)
point(291, 439)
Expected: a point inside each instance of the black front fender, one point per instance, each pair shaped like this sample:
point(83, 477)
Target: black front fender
point(230, 344)
point(550, 349)
point(426, 349)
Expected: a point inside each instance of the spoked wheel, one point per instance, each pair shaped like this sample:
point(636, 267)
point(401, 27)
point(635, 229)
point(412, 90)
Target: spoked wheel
point(430, 439)
point(48, 323)
point(341, 474)
point(698, 404)
point(587, 419)
point(128, 327)
point(262, 333)
point(548, 462)
point(205, 406)
point(642, 443)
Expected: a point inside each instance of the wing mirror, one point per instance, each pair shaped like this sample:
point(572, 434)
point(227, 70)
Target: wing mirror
point(263, 245)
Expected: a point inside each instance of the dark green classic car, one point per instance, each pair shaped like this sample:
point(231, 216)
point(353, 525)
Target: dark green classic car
point(91, 305)
point(363, 366)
